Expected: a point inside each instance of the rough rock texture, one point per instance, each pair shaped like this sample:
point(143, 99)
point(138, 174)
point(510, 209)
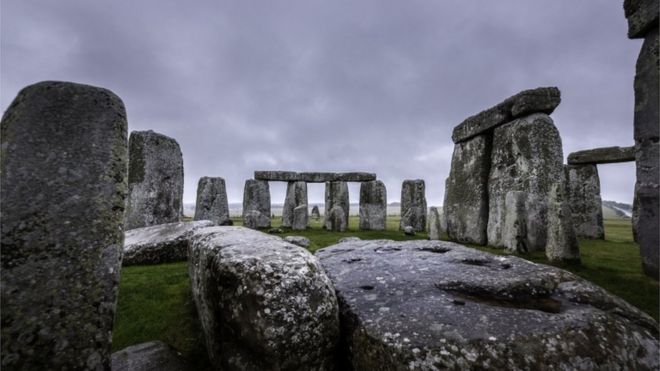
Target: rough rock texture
point(298, 241)
point(584, 200)
point(300, 218)
point(543, 100)
point(562, 242)
point(316, 177)
point(642, 17)
point(429, 305)
point(63, 187)
point(296, 195)
point(316, 214)
point(635, 214)
point(158, 244)
point(256, 204)
point(436, 227)
point(373, 205)
point(212, 200)
point(336, 206)
point(514, 235)
point(466, 191)
point(155, 180)
point(150, 356)
point(264, 304)
point(605, 155)
point(413, 205)
point(527, 156)
point(647, 151)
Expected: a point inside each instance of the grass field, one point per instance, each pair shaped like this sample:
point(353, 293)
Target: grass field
point(155, 302)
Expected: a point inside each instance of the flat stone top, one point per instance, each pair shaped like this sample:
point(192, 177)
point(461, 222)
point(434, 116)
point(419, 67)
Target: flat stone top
point(417, 294)
point(539, 100)
point(316, 177)
point(604, 155)
point(162, 233)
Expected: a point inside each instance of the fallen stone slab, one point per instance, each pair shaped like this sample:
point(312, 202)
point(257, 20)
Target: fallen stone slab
point(158, 244)
point(605, 155)
point(263, 303)
point(539, 100)
point(313, 177)
point(434, 305)
point(63, 189)
point(149, 356)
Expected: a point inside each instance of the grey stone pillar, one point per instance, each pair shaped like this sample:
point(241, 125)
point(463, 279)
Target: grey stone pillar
point(63, 191)
point(336, 206)
point(155, 180)
point(212, 200)
point(437, 224)
point(413, 205)
point(256, 204)
point(373, 205)
point(526, 156)
point(296, 199)
point(562, 242)
point(466, 191)
point(584, 200)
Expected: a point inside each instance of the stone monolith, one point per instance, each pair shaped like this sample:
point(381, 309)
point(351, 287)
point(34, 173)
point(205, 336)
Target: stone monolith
point(336, 206)
point(296, 195)
point(413, 205)
point(256, 204)
point(212, 201)
point(373, 205)
point(562, 242)
point(584, 200)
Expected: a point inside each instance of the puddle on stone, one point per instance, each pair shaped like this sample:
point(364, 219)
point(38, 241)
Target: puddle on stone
point(477, 262)
point(352, 260)
point(367, 287)
point(435, 249)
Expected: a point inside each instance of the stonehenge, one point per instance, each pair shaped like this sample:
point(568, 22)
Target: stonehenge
point(584, 200)
point(505, 160)
point(437, 225)
point(294, 214)
point(256, 204)
point(373, 205)
point(212, 201)
point(155, 180)
point(63, 193)
point(291, 176)
point(642, 19)
point(604, 155)
point(562, 242)
point(336, 206)
point(413, 205)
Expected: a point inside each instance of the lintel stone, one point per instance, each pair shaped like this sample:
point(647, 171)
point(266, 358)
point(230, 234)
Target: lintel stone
point(604, 155)
point(313, 177)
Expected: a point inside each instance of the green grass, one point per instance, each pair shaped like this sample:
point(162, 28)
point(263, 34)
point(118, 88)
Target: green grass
point(155, 302)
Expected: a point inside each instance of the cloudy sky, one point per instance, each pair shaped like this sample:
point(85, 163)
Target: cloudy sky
point(312, 85)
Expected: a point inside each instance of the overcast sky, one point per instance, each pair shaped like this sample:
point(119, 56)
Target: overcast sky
point(332, 85)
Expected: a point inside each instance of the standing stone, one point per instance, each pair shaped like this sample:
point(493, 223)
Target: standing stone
point(63, 189)
point(413, 205)
point(527, 156)
point(212, 200)
point(256, 204)
point(647, 148)
point(296, 195)
point(562, 242)
point(316, 215)
point(635, 215)
point(155, 180)
point(373, 205)
point(336, 206)
point(436, 225)
point(466, 191)
point(584, 200)
point(515, 222)
point(300, 218)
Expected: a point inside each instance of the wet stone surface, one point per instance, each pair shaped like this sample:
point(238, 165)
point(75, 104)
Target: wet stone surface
point(439, 305)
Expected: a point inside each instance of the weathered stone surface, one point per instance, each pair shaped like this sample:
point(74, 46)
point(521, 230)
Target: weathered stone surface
point(316, 214)
point(264, 304)
point(466, 191)
point(584, 200)
point(647, 153)
point(605, 155)
point(408, 231)
point(635, 215)
point(298, 241)
point(433, 305)
point(436, 225)
point(515, 222)
point(150, 356)
point(158, 244)
point(336, 206)
point(562, 242)
point(539, 100)
point(296, 195)
point(373, 205)
point(256, 204)
point(527, 156)
point(316, 177)
point(212, 200)
point(63, 187)
point(155, 180)
point(642, 17)
point(300, 218)
point(413, 205)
